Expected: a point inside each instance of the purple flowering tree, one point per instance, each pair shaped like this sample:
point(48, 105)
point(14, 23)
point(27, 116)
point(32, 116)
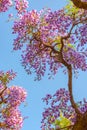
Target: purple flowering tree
point(58, 39)
point(55, 38)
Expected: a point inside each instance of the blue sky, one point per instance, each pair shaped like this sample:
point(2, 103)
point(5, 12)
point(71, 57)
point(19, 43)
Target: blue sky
point(36, 89)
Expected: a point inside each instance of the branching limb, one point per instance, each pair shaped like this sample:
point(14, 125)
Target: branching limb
point(73, 25)
point(70, 90)
point(2, 100)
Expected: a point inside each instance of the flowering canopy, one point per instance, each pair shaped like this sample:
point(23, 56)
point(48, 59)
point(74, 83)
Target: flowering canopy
point(42, 33)
point(55, 38)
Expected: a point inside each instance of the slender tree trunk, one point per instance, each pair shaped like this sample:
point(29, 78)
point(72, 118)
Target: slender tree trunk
point(70, 89)
point(81, 120)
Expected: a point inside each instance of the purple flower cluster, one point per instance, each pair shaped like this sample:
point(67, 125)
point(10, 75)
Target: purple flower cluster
point(16, 95)
point(10, 100)
point(76, 59)
point(5, 4)
point(24, 28)
point(6, 77)
point(59, 22)
point(81, 34)
point(20, 5)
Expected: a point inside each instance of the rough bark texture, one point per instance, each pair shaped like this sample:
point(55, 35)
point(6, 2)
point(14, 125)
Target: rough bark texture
point(80, 4)
point(81, 123)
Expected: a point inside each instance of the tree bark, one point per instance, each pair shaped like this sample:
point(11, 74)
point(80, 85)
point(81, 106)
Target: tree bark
point(81, 122)
point(69, 67)
point(81, 119)
point(80, 4)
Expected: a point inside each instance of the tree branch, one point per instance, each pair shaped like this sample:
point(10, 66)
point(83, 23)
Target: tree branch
point(73, 25)
point(69, 67)
point(3, 100)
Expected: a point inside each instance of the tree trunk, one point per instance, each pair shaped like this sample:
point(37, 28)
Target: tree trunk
point(69, 67)
point(81, 120)
point(80, 4)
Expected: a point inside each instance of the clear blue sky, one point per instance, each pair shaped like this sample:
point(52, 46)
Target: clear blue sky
point(36, 90)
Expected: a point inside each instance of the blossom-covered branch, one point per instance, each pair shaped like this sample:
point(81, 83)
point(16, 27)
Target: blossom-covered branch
point(10, 100)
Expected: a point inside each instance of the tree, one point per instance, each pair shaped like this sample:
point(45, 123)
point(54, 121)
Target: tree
point(55, 38)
